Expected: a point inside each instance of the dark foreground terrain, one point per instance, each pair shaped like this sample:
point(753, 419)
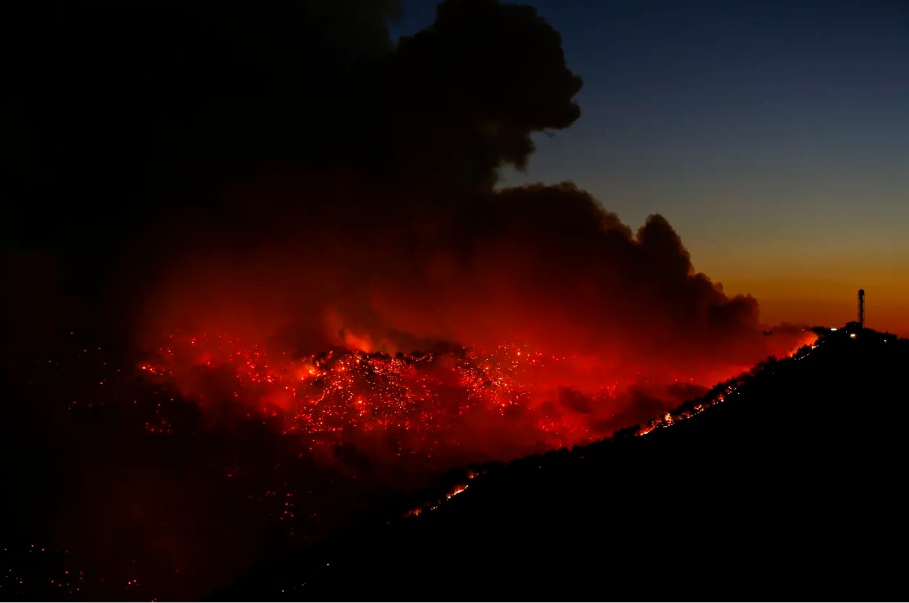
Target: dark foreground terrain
point(791, 488)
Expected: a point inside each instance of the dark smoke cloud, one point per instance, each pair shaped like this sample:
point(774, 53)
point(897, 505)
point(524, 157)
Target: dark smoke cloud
point(162, 102)
point(472, 88)
point(124, 114)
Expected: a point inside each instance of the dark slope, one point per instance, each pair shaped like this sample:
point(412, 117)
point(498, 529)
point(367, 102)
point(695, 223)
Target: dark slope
point(791, 489)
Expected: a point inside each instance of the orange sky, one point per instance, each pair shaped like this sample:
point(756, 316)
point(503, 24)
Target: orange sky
point(816, 291)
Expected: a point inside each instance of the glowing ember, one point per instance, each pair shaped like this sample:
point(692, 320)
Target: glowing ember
point(341, 391)
point(424, 402)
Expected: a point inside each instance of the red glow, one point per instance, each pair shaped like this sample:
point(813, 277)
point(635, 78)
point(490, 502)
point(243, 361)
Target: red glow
point(518, 399)
point(489, 327)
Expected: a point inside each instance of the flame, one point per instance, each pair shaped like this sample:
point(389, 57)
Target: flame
point(513, 399)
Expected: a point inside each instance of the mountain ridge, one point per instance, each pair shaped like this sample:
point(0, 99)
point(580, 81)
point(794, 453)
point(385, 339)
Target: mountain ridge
point(783, 490)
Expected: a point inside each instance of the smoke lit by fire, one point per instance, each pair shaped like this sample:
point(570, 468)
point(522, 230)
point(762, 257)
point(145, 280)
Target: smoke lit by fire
point(442, 402)
point(510, 321)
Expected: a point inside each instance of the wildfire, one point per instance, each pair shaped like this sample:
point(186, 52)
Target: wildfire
point(423, 402)
point(343, 390)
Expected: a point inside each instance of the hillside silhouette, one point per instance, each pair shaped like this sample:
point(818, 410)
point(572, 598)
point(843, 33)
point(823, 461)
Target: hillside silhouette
point(791, 488)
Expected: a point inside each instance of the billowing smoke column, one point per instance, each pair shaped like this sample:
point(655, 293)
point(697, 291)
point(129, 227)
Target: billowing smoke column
point(405, 247)
point(293, 225)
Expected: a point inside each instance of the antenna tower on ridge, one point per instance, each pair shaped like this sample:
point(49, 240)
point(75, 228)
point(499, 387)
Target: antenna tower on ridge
point(861, 308)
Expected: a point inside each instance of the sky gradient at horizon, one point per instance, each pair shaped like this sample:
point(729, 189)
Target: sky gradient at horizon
point(774, 137)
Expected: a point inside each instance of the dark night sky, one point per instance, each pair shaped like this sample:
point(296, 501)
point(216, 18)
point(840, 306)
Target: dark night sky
point(773, 135)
